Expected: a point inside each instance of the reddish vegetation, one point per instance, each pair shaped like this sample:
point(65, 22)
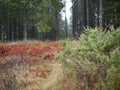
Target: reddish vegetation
point(31, 54)
point(37, 49)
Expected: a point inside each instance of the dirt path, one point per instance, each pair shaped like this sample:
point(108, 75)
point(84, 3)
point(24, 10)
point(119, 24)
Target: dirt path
point(49, 83)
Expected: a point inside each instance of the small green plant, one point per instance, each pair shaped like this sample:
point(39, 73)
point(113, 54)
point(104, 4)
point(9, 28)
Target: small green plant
point(63, 42)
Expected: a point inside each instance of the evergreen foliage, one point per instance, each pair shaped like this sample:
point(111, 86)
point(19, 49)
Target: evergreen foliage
point(24, 18)
point(96, 57)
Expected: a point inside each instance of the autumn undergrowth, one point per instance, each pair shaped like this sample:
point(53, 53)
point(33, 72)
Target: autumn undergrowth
point(26, 64)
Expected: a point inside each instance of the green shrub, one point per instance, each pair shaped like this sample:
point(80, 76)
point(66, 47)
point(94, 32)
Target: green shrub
point(96, 57)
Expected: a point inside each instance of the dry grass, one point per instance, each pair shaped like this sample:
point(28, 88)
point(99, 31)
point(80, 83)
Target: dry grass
point(19, 77)
point(48, 83)
point(58, 79)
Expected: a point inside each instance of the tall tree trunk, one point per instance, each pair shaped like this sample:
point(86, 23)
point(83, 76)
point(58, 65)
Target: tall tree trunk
point(66, 21)
point(84, 13)
point(8, 35)
point(25, 22)
point(25, 28)
point(87, 12)
point(100, 14)
point(105, 14)
point(17, 31)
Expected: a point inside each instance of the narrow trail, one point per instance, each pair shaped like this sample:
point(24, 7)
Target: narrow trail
point(49, 83)
point(54, 78)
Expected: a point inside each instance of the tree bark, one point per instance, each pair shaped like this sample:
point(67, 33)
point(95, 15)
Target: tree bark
point(8, 35)
point(87, 12)
point(25, 22)
point(66, 21)
point(101, 14)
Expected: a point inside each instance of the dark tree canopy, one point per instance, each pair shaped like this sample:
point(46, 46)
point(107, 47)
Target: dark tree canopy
point(95, 13)
point(25, 19)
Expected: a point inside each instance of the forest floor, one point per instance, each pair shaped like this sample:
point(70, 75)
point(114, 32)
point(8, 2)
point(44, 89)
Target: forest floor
point(31, 66)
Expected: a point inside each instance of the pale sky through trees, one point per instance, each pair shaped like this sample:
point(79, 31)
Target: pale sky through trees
point(68, 11)
point(68, 6)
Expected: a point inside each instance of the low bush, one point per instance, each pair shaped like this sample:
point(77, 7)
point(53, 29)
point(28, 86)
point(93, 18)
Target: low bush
point(96, 57)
